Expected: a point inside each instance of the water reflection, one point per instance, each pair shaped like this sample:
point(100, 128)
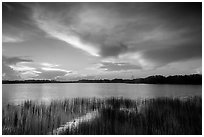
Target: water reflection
point(16, 93)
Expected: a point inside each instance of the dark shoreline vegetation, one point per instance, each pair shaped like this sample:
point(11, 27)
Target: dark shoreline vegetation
point(194, 79)
point(114, 116)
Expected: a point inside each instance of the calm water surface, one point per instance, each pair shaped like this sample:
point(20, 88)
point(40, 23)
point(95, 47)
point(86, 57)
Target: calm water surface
point(16, 93)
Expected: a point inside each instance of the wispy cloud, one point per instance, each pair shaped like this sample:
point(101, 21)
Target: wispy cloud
point(21, 68)
point(109, 66)
point(49, 65)
point(59, 30)
point(14, 60)
point(7, 39)
point(54, 69)
point(10, 67)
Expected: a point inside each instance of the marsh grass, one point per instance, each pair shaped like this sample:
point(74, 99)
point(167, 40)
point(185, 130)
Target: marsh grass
point(117, 116)
point(32, 118)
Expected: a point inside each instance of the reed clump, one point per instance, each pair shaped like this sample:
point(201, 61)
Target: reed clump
point(117, 116)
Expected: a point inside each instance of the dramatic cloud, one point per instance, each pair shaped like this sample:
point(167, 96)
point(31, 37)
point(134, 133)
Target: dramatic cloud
point(57, 29)
point(103, 29)
point(143, 36)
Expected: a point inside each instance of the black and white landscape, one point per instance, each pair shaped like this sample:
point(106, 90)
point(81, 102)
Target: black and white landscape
point(111, 68)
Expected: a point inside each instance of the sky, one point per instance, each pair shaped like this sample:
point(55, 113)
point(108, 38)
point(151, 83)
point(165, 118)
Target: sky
point(71, 41)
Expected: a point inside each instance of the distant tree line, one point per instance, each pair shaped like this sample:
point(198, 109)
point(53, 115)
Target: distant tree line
point(195, 79)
